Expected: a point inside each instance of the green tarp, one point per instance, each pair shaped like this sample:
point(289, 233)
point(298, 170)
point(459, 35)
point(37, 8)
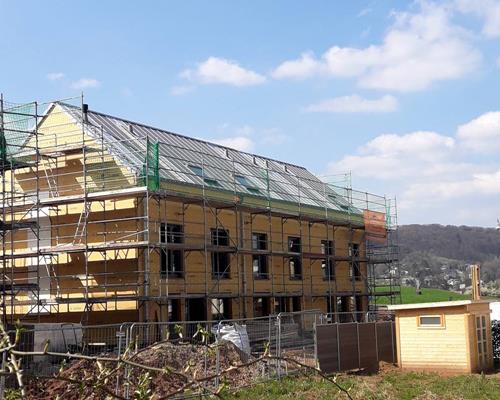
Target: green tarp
point(151, 166)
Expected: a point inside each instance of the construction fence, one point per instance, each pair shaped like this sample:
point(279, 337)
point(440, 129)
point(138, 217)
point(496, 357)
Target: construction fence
point(310, 337)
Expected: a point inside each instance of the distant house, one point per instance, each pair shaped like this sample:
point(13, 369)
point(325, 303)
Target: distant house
point(449, 336)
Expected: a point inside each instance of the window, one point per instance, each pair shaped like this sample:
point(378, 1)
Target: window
point(281, 304)
point(198, 171)
point(243, 181)
point(211, 182)
point(429, 321)
point(296, 304)
point(355, 269)
point(358, 303)
point(171, 260)
point(344, 309)
point(261, 306)
point(259, 261)
point(220, 259)
point(221, 309)
point(294, 262)
point(295, 265)
point(294, 244)
point(482, 339)
point(174, 310)
point(327, 266)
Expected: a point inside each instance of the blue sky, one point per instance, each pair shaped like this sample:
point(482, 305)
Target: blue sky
point(403, 94)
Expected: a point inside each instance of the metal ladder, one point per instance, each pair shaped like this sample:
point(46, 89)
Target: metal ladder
point(49, 174)
point(82, 223)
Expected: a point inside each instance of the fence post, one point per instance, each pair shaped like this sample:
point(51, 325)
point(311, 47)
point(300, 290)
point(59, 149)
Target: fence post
point(278, 345)
point(127, 368)
point(217, 355)
point(376, 340)
point(120, 334)
point(315, 333)
point(359, 352)
point(338, 346)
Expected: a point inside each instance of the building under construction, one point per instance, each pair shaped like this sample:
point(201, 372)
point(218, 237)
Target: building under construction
point(106, 220)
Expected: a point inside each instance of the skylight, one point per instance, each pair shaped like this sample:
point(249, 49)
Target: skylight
point(243, 181)
point(198, 171)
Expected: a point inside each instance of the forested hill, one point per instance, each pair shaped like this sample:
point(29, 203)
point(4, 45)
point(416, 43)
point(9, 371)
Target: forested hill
point(469, 244)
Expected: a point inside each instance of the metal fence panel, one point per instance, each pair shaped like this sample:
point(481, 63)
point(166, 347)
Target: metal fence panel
point(386, 342)
point(367, 344)
point(347, 346)
point(328, 351)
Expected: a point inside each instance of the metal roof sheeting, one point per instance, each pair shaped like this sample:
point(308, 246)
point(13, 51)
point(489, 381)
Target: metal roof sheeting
point(269, 178)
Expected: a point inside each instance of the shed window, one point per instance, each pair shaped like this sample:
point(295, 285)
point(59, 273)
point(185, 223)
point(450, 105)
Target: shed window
point(430, 320)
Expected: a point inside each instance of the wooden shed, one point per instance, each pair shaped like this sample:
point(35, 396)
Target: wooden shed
point(449, 336)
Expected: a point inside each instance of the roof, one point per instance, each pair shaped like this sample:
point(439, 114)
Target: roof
point(178, 154)
point(438, 304)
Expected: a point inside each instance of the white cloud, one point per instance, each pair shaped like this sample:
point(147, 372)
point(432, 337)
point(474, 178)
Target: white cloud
point(241, 143)
point(422, 143)
point(355, 104)
point(245, 130)
point(181, 90)
point(216, 70)
point(85, 83)
point(390, 156)
point(438, 178)
point(487, 10)
point(418, 50)
point(304, 67)
point(273, 137)
point(248, 138)
point(364, 11)
point(482, 134)
point(55, 76)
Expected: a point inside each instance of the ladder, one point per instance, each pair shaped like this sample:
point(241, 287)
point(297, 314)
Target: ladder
point(49, 175)
point(82, 223)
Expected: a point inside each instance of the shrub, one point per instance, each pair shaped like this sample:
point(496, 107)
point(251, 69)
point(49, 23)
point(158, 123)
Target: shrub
point(495, 329)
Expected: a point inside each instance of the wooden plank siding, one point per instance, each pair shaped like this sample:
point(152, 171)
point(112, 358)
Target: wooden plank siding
point(451, 347)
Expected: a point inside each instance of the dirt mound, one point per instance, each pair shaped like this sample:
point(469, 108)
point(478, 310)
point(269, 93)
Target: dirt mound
point(193, 360)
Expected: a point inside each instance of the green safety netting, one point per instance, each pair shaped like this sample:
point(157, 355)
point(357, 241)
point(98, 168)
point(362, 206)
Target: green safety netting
point(151, 166)
point(17, 124)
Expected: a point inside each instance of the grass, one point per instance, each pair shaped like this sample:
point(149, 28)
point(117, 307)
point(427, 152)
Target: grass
point(409, 295)
point(393, 385)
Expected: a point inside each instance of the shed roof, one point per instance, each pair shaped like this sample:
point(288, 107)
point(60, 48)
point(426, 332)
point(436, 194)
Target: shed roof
point(438, 304)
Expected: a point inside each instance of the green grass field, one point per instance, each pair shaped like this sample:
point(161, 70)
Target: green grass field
point(409, 295)
point(392, 385)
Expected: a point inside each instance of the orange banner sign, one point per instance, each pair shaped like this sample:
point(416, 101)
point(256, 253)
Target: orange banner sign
point(375, 226)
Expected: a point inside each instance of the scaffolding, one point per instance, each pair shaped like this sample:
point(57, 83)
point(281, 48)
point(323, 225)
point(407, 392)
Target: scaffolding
point(88, 202)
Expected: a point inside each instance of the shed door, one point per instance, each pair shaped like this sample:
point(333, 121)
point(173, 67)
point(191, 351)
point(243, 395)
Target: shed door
point(482, 349)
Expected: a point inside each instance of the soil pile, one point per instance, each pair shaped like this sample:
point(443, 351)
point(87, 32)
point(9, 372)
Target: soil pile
point(192, 360)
